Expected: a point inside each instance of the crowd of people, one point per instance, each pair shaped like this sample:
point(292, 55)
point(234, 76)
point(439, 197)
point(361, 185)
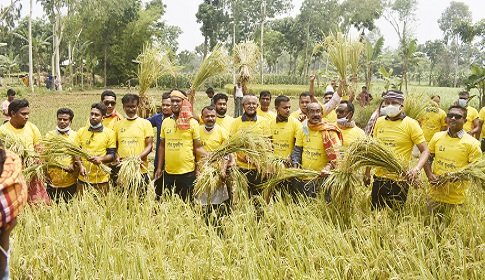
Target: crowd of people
point(310, 137)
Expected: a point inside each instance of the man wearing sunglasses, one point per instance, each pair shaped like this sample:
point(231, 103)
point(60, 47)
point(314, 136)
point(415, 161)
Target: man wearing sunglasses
point(108, 98)
point(451, 151)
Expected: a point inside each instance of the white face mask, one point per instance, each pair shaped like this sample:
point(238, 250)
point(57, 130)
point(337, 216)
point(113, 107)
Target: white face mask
point(383, 111)
point(462, 102)
point(96, 126)
point(342, 121)
point(63, 130)
point(132, 118)
point(392, 111)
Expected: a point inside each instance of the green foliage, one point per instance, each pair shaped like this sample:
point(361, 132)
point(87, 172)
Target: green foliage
point(477, 80)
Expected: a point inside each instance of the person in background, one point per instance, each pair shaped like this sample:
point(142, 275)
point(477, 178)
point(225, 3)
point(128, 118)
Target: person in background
point(264, 103)
point(364, 97)
point(433, 120)
point(61, 184)
point(210, 94)
point(10, 96)
point(381, 111)
point(332, 86)
point(450, 151)
point(239, 92)
point(472, 125)
point(108, 98)
point(331, 100)
point(304, 100)
point(157, 120)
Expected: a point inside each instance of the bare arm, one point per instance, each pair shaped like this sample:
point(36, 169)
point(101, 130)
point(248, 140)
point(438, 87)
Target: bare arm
point(312, 87)
point(161, 159)
point(148, 148)
point(198, 149)
point(477, 128)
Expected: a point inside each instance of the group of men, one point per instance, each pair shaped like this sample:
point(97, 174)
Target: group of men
point(310, 137)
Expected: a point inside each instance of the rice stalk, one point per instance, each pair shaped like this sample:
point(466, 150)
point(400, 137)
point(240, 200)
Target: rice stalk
point(473, 173)
point(209, 180)
point(417, 104)
point(342, 185)
point(337, 49)
point(238, 185)
point(246, 56)
point(130, 177)
point(14, 144)
point(213, 65)
point(269, 187)
point(58, 146)
point(355, 51)
point(39, 170)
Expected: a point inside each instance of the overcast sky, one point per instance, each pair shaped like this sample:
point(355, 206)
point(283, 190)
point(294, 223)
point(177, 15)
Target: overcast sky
point(182, 13)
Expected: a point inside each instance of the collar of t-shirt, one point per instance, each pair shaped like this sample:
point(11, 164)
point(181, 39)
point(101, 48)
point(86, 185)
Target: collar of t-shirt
point(401, 117)
point(100, 130)
point(245, 118)
point(220, 117)
point(114, 114)
point(281, 119)
point(459, 134)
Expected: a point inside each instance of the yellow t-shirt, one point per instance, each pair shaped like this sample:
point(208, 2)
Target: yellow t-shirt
point(400, 136)
point(259, 127)
point(95, 143)
point(179, 146)
point(267, 115)
point(58, 177)
point(283, 136)
point(29, 134)
point(214, 138)
point(296, 115)
point(351, 134)
point(130, 138)
point(331, 117)
point(431, 122)
point(472, 114)
point(451, 155)
point(225, 122)
point(314, 156)
point(110, 121)
point(481, 116)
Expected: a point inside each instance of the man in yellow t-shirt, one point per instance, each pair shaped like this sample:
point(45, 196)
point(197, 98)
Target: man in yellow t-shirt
point(350, 132)
point(472, 125)
point(331, 99)
point(264, 103)
point(451, 151)
point(259, 126)
point(61, 183)
point(481, 118)
point(134, 136)
point(222, 119)
point(283, 128)
point(100, 143)
point(179, 143)
point(108, 98)
point(211, 137)
point(399, 133)
point(303, 101)
point(19, 125)
point(313, 153)
point(433, 120)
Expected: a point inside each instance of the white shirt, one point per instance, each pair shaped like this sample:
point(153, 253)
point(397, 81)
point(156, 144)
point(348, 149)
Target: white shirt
point(239, 91)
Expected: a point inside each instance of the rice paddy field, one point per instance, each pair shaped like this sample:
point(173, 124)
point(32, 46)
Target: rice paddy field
point(122, 237)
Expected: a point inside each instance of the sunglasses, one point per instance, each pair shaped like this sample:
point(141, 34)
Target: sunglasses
point(107, 103)
point(456, 116)
point(340, 111)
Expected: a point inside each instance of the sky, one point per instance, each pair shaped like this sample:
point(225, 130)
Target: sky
point(182, 13)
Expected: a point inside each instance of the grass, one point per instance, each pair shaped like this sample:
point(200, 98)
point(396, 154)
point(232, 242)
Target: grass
point(117, 238)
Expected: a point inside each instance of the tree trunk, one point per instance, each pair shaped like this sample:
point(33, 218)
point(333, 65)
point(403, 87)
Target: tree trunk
point(82, 74)
point(71, 70)
point(31, 65)
point(263, 17)
point(105, 58)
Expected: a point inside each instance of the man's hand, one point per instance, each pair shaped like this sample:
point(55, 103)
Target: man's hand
point(432, 178)
point(367, 177)
point(412, 175)
point(96, 160)
point(326, 171)
point(158, 173)
point(302, 117)
point(312, 77)
point(82, 170)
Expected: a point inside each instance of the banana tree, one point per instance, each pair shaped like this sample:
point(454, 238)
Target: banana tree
point(477, 80)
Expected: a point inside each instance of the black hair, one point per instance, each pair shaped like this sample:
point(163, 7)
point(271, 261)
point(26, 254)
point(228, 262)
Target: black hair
point(108, 92)
point(464, 93)
point(67, 111)
point(130, 98)
point(166, 95)
point(305, 94)
point(280, 99)
point(101, 107)
point(328, 93)
point(219, 96)
point(209, 90)
point(210, 108)
point(265, 93)
point(16, 105)
point(11, 92)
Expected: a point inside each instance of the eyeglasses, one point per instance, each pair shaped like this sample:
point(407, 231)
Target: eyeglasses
point(456, 116)
point(340, 111)
point(107, 103)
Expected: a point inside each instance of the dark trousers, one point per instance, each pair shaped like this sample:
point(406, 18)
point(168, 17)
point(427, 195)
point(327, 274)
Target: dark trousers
point(254, 179)
point(483, 145)
point(181, 184)
point(56, 194)
point(386, 192)
point(308, 189)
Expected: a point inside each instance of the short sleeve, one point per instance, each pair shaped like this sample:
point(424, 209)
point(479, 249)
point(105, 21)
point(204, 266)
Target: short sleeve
point(195, 129)
point(162, 132)
point(443, 118)
point(432, 143)
point(475, 151)
point(299, 138)
point(376, 127)
point(417, 135)
point(148, 129)
point(37, 136)
point(111, 139)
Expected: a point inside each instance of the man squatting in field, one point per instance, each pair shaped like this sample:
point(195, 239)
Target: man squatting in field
point(399, 133)
point(61, 184)
point(100, 142)
point(179, 142)
point(450, 150)
point(134, 136)
point(316, 148)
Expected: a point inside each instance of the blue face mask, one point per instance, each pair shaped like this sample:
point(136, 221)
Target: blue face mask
point(462, 102)
point(96, 126)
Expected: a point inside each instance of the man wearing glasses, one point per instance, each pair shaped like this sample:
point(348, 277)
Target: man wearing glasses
point(451, 151)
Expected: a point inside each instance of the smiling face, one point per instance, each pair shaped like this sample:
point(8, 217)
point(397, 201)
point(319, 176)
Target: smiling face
point(303, 103)
point(95, 117)
point(250, 104)
point(314, 113)
point(455, 119)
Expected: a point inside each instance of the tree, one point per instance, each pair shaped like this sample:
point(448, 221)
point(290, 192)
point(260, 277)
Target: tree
point(401, 14)
point(362, 14)
point(372, 52)
point(214, 19)
point(433, 49)
point(477, 80)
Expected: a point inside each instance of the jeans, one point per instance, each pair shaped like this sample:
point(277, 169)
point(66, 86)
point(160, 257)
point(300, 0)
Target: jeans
point(238, 110)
